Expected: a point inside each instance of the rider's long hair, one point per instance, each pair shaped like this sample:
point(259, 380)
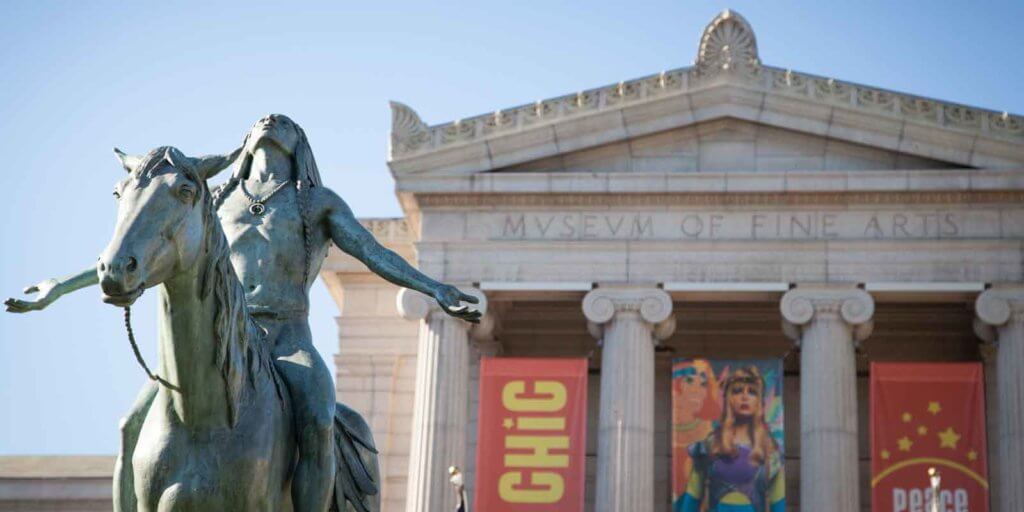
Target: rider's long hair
point(723, 438)
point(306, 176)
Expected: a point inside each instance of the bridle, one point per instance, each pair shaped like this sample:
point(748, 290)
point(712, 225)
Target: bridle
point(131, 333)
point(138, 355)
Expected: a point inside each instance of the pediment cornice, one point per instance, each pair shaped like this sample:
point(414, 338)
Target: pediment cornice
point(727, 80)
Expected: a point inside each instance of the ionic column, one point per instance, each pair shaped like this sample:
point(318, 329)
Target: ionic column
point(826, 322)
point(627, 321)
point(440, 409)
point(988, 354)
point(484, 344)
point(1000, 321)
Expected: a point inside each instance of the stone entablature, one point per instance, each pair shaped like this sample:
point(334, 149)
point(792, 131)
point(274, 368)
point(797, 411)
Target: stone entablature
point(393, 233)
point(887, 224)
point(727, 80)
point(734, 188)
point(914, 226)
point(388, 230)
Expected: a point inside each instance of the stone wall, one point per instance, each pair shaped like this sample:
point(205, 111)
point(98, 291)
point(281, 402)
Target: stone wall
point(56, 483)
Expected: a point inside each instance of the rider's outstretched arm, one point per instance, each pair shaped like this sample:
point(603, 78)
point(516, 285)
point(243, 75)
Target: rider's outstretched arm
point(52, 289)
point(351, 237)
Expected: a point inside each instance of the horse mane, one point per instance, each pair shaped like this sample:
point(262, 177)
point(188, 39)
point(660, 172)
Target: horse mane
point(241, 350)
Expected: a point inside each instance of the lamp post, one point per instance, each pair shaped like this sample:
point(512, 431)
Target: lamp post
point(935, 478)
point(459, 487)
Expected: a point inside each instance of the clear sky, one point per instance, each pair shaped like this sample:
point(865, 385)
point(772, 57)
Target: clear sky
point(78, 78)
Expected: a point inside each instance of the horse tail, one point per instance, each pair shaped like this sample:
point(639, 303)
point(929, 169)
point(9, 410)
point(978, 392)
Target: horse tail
point(357, 476)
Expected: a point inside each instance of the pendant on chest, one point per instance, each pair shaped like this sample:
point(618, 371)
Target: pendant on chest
point(258, 205)
point(257, 209)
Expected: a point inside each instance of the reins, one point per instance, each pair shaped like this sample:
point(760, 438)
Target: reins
point(138, 354)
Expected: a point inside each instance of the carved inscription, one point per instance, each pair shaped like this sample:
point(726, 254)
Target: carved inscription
point(585, 226)
point(766, 225)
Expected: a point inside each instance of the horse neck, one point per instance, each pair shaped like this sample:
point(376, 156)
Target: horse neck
point(189, 344)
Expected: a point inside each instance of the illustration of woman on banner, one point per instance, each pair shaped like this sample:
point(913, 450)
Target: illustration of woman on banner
point(696, 404)
point(738, 467)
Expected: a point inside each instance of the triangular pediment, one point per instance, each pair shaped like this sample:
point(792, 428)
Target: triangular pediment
point(860, 125)
point(728, 145)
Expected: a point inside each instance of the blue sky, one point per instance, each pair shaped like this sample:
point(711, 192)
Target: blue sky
point(78, 78)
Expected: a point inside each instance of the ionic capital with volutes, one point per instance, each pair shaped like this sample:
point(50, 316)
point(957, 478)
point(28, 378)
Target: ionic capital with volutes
point(805, 304)
point(996, 307)
point(415, 306)
point(650, 305)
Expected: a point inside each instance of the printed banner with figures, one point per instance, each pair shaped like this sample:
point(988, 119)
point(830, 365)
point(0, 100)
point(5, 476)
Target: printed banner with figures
point(531, 454)
point(727, 436)
point(928, 420)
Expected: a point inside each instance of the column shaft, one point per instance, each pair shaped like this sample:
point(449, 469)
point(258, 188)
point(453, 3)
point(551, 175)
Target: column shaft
point(479, 349)
point(440, 413)
point(1010, 393)
point(828, 418)
point(625, 453)
point(988, 355)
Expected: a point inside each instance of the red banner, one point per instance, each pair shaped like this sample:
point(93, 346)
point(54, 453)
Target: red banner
point(532, 439)
point(928, 416)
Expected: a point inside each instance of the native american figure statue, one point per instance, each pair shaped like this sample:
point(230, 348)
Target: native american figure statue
point(240, 414)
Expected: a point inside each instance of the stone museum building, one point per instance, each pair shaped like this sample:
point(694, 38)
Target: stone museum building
point(730, 209)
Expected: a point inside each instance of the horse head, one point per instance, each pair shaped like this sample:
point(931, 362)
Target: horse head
point(163, 208)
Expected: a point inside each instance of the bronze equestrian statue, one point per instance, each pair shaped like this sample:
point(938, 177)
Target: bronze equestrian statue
point(236, 264)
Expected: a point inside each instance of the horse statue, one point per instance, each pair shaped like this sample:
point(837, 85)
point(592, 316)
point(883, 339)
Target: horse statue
point(219, 434)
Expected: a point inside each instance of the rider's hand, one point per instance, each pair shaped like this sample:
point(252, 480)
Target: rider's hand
point(450, 299)
point(47, 292)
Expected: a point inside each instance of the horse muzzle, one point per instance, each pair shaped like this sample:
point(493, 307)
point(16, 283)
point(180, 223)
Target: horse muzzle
point(120, 280)
point(125, 299)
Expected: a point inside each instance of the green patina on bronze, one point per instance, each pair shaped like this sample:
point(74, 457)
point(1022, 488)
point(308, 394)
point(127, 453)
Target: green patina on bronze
point(246, 418)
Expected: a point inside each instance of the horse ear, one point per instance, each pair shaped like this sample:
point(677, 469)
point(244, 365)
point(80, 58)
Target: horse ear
point(171, 155)
point(208, 166)
point(130, 162)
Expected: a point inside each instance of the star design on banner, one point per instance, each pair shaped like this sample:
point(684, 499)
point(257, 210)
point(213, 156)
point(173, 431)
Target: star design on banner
point(904, 443)
point(916, 423)
point(508, 423)
point(948, 438)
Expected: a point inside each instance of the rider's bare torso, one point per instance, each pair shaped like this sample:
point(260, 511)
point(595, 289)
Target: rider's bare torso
point(268, 251)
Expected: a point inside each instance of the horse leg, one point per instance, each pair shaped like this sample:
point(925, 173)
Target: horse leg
point(124, 473)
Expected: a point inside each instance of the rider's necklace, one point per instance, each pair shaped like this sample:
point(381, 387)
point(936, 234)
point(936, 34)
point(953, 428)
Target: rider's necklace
point(258, 206)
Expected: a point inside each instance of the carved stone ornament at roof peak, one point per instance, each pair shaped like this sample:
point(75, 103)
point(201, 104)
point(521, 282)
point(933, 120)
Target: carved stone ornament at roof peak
point(727, 58)
point(408, 131)
point(728, 46)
